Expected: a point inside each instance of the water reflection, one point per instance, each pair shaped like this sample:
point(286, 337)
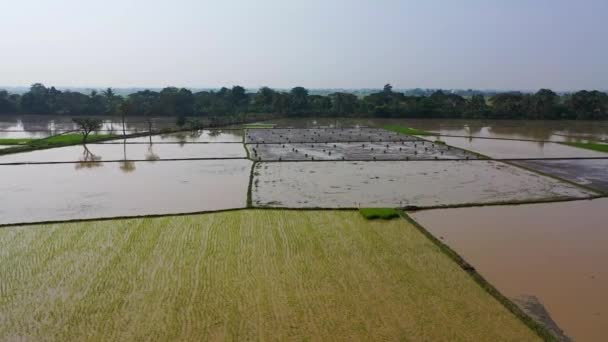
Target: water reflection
point(88, 159)
point(150, 155)
point(555, 252)
point(126, 165)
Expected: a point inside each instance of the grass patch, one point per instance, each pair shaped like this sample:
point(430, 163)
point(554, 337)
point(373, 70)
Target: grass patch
point(14, 141)
point(64, 139)
point(379, 213)
point(241, 275)
point(599, 147)
point(259, 125)
point(407, 130)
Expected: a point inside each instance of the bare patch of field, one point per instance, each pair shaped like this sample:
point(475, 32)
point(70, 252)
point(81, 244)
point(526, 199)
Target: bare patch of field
point(246, 275)
point(401, 184)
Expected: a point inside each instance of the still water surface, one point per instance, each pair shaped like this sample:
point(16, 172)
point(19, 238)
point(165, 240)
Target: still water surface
point(31, 193)
point(555, 252)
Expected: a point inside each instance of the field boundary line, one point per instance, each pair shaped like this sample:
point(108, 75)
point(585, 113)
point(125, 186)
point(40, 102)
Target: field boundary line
point(535, 326)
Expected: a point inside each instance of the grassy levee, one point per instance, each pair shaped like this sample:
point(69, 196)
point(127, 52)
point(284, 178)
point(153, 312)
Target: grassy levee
point(406, 130)
point(73, 138)
point(241, 275)
point(540, 330)
point(58, 141)
point(599, 147)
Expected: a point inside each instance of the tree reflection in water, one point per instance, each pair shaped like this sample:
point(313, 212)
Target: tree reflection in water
point(88, 159)
point(151, 156)
point(126, 166)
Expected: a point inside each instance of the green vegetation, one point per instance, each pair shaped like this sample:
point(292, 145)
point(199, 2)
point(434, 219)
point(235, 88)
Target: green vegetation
point(379, 213)
point(589, 146)
point(259, 125)
point(241, 275)
point(87, 126)
point(237, 102)
point(60, 140)
point(14, 141)
point(406, 130)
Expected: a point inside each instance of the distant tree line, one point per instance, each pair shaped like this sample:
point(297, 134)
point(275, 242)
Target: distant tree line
point(181, 102)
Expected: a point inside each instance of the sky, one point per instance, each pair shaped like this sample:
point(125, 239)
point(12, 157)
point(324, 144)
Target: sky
point(480, 44)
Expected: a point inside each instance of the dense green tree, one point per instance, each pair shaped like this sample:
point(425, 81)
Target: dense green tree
point(235, 102)
point(36, 101)
point(298, 100)
point(588, 105)
point(87, 126)
point(343, 103)
point(9, 103)
point(476, 108)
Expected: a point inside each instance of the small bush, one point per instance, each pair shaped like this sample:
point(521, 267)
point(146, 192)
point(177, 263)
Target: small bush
point(379, 213)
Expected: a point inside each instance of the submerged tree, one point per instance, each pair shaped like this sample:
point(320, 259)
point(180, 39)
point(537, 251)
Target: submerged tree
point(87, 125)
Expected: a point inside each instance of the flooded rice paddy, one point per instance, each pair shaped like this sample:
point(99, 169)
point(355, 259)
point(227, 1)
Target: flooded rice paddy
point(40, 126)
point(34, 193)
point(117, 151)
point(516, 149)
point(323, 135)
point(590, 172)
point(344, 144)
point(555, 252)
point(552, 254)
point(407, 150)
point(201, 136)
point(563, 130)
point(401, 184)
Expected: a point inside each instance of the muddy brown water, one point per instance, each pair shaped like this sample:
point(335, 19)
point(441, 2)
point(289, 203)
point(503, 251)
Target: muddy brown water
point(566, 130)
point(101, 152)
point(32, 193)
point(589, 172)
point(39, 126)
point(507, 149)
point(201, 136)
point(555, 252)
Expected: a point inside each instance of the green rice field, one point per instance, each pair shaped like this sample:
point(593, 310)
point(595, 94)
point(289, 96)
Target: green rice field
point(241, 275)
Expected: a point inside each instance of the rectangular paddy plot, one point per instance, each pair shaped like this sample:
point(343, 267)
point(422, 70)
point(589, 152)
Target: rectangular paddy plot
point(101, 152)
point(589, 172)
point(202, 136)
point(322, 135)
point(551, 254)
point(513, 149)
point(401, 184)
point(405, 150)
point(243, 275)
point(34, 193)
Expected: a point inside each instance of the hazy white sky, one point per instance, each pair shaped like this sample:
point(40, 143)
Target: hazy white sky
point(499, 44)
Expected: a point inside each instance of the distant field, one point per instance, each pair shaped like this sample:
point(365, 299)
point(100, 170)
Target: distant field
point(589, 146)
point(242, 275)
point(406, 130)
